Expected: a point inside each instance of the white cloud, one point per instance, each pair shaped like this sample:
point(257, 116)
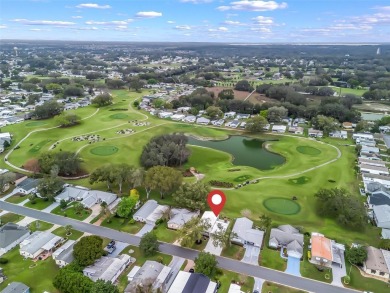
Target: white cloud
point(43, 22)
point(220, 29)
point(77, 17)
point(231, 22)
point(383, 8)
point(263, 20)
point(261, 29)
point(182, 27)
point(148, 14)
point(88, 28)
point(38, 30)
point(3, 26)
point(93, 5)
point(112, 22)
point(254, 5)
point(171, 21)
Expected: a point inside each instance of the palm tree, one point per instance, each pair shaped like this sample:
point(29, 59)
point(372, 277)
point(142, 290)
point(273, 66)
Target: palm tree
point(78, 207)
point(68, 229)
point(192, 231)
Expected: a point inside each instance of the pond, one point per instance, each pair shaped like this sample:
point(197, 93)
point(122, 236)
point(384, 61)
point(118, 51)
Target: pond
point(246, 151)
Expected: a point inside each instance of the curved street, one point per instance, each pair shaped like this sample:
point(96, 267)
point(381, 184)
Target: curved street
point(167, 248)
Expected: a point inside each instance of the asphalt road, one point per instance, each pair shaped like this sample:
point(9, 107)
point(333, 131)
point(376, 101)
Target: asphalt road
point(225, 263)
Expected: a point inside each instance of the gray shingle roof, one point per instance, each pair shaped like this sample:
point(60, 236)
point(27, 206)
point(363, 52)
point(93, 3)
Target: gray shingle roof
point(15, 287)
point(146, 209)
point(28, 184)
point(181, 216)
point(11, 232)
point(285, 234)
point(65, 252)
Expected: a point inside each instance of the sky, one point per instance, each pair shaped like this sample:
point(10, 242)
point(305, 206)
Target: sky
point(231, 21)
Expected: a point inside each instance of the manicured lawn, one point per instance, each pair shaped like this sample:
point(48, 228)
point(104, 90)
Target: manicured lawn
point(270, 258)
point(309, 270)
point(164, 234)
point(62, 233)
point(282, 206)
point(39, 278)
point(234, 251)
point(39, 226)
point(104, 150)
point(10, 217)
point(17, 198)
point(123, 225)
point(367, 284)
point(227, 277)
point(276, 288)
point(39, 204)
point(71, 213)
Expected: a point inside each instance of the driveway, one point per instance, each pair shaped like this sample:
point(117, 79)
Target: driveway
point(210, 247)
point(145, 229)
point(258, 284)
point(338, 273)
point(251, 255)
point(51, 207)
point(119, 248)
point(293, 265)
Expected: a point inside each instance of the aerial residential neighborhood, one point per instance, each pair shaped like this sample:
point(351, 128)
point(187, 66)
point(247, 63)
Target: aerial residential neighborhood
point(194, 146)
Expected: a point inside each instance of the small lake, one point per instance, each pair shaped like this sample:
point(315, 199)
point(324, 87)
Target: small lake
point(245, 150)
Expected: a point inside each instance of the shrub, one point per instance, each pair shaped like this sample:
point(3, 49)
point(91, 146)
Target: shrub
point(160, 259)
point(221, 183)
point(3, 260)
point(132, 221)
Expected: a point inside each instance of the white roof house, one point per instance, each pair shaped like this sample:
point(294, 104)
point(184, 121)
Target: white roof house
point(190, 119)
point(229, 115)
point(165, 114)
point(178, 117)
point(382, 216)
point(363, 136)
point(107, 268)
point(369, 150)
point(39, 242)
point(279, 128)
point(64, 255)
point(245, 234)
point(150, 212)
point(202, 121)
point(296, 129)
point(179, 217)
point(339, 134)
point(378, 163)
point(366, 168)
point(211, 218)
point(315, 133)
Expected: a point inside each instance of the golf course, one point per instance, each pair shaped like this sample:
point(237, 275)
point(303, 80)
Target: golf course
point(283, 166)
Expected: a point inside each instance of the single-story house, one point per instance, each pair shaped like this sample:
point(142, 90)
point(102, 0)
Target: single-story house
point(107, 268)
point(362, 136)
point(315, 133)
point(178, 117)
point(178, 217)
point(287, 236)
point(379, 197)
point(377, 163)
point(365, 168)
point(229, 115)
point(295, 129)
point(211, 219)
point(39, 242)
point(339, 134)
point(5, 137)
point(386, 139)
point(369, 150)
point(87, 197)
point(385, 234)
point(243, 116)
point(165, 114)
point(267, 127)
point(64, 254)
point(219, 122)
point(190, 119)
point(151, 273)
point(233, 124)
point(381, 216)
point(279, 128)
point(150, 212)
point(27, 186)
point(369, 178)
point(243, 125)
point(202, 121)
point(186, 282)
point(347, 125)
point(11, 235)
point(324, 251)
point(16, 287)
point(366, 142)
point(377, 263)
point(245, 234)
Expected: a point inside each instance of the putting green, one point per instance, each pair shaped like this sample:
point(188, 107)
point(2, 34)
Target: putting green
point(308, 150)
point(119, 116)
point(299, 180)
point(36, 123)
point(36, 148)
point(242, 178)
point(282, 206)
point(104, 150)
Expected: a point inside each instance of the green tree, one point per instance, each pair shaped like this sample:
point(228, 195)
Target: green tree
point(136, 84)
point(67, 119)
point(148, 244)
point(50, 186)
point(68, 229)
point(164, 179)
point(357, 255)
point(101, 100)
point(5, 179)
point(103, 174)
point(206, 264)
point(55, 88)
point(87, 250)
point(256, 124)
point(227, 94)
point(47, 110)
point(192, 196)
point(70, 280)
point(276, 114)
point(192, 231)
point(265, 222)
point(101, 286)
point(214, 112)
point(243, 85)
point(126, 206)
point(78, 208)
point(326, 124)
point(221, 237)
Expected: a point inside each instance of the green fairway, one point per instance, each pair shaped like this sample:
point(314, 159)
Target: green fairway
point(119, 116)
point(242, 178)
point(300, 180)
point(36, 123)
point(282, 206)
point(307, 150)
point(36, 148)
point(104, 150)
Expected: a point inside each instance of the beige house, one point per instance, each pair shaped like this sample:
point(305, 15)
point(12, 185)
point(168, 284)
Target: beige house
point(377, 263)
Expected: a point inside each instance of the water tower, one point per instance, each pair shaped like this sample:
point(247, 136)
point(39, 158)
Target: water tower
point(16, 51)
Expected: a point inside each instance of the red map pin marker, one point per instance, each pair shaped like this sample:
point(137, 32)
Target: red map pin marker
point(216, 200)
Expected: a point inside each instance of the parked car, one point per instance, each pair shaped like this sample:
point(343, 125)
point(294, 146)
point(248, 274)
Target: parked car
point(110, 250)
point(111, 244)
